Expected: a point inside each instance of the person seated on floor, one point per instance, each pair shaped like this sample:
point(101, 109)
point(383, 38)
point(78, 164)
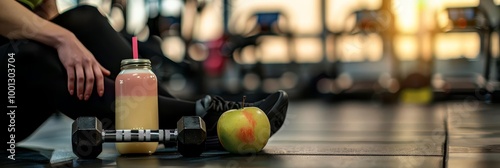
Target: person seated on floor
point(68, 62)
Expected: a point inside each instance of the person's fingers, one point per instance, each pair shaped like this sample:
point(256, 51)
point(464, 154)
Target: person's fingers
point(71, 79)
point(89, 80)
point(104, 70)
point(80, 80)
point(99, 79)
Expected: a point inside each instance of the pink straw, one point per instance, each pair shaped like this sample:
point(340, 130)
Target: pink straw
point(134, 47)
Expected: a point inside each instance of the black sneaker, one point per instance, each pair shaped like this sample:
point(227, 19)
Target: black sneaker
point(275, 106)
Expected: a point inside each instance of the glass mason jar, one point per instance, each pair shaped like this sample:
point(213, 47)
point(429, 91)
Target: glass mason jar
point(136, 105)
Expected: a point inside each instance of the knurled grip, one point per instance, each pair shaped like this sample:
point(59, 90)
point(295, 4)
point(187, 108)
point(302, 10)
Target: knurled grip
point(146, 135)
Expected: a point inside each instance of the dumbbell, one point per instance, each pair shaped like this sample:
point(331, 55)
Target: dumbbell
point(87, 136)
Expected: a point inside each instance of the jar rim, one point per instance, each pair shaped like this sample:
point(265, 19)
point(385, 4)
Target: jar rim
point(136, 63)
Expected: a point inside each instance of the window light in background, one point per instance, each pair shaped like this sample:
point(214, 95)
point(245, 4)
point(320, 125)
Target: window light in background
point(136, 16)
point(338, 12)
point(305, 22)
point(406, 47)
point(374, 47)
point(210, 20)
point(349, 48)
point(246, 55)
point(308, 50)
point(273, 49)
point(459, 3)
point(117, 19)
point(174, 48)
point(456, 45)
point(406, 15)
point(242, 11)
point(442, 14)
point(308, 20)
point(357, 48)
point(171, 7)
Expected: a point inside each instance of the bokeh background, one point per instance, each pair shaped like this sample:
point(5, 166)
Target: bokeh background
point(379, 50)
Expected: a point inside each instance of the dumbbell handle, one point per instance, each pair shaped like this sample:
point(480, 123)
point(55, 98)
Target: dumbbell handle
point(147, 135)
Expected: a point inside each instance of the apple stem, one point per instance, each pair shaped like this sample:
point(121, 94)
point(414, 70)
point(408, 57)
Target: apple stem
point(243, 103)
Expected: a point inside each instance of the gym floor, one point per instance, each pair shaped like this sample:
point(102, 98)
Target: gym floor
point(318, 133)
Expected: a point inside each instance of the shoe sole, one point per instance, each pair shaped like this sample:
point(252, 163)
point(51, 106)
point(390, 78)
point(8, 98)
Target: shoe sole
point(277, 114)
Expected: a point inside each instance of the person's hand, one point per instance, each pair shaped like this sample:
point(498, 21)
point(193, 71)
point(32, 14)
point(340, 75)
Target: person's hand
point(81, 66)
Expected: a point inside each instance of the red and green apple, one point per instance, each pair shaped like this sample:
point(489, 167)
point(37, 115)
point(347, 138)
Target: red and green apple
point(243, 131)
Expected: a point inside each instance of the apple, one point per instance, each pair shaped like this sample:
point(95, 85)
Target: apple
point(243, 131)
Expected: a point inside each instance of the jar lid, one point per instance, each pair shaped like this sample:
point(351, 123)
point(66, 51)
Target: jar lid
point(141, 62)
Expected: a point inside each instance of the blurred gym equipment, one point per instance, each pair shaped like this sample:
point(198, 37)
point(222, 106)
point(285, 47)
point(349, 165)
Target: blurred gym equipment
point(468, 74)
point(365, 66)
point(244, 70)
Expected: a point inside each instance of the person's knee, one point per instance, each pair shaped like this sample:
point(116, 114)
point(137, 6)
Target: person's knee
point(85, 13)
point(83, 17)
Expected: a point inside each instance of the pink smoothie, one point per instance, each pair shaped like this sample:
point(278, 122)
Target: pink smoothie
point(136, 83)
point(136, 108)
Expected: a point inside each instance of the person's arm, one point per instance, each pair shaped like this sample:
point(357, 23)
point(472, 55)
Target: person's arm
point(20, 23)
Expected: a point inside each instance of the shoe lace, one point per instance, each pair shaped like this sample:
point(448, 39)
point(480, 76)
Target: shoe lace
point(220, 105)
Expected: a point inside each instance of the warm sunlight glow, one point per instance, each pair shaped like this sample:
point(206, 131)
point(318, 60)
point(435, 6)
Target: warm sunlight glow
point(456, 45)
point(173, 47)
point(246, 55)
point(443, 20)
point(330, 48)
point(308, 50)
point(374, 47)
point(494, 45)
point(356, 48)
point(406, 13)
point(273, 49)
point(303, 16)
point(242, 11)
point(406, 47)
point(339, 12)
point(116, 19)
point(370, 4)
point(459, 3)
point(210, 21)
point(442, 15)
point(349, 48)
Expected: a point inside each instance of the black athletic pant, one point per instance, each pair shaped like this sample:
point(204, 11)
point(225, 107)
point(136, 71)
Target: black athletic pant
point(41, 80)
